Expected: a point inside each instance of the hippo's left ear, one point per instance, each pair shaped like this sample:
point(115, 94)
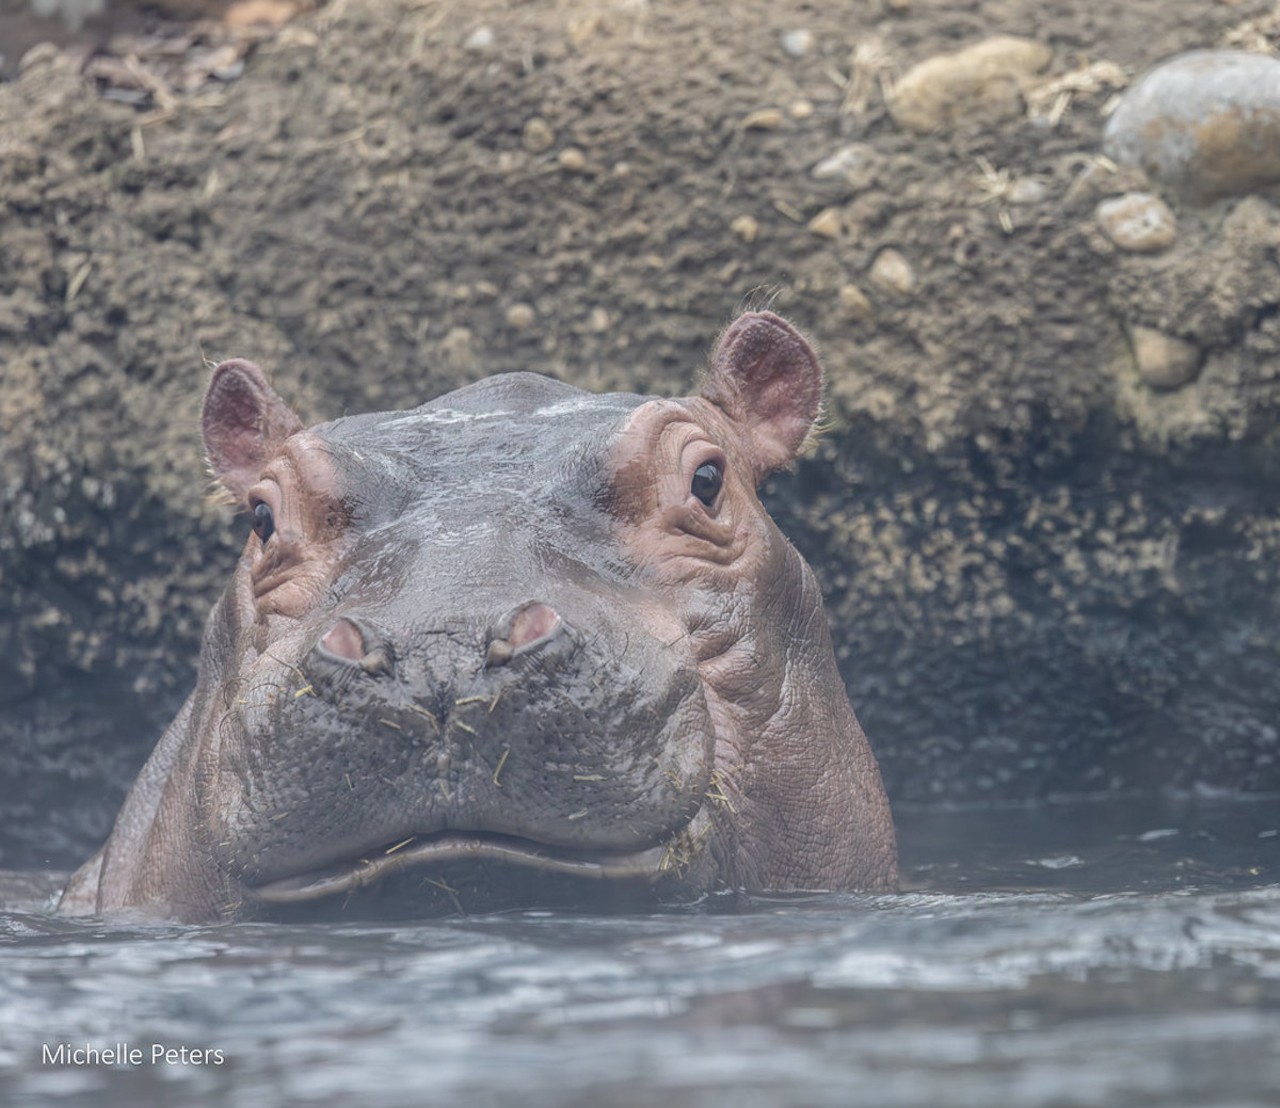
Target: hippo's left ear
point(766, 377)
point(245, 423)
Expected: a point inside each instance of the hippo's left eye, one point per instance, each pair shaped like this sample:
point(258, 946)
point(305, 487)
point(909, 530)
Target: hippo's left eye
point(264, 521)
point(707, 479)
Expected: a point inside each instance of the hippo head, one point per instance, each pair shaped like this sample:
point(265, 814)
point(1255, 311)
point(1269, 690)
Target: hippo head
point(523, 644)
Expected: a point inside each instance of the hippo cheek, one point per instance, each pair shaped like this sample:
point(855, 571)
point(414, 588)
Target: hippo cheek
point(558, 753)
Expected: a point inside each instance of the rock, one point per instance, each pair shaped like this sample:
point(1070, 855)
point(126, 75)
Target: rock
point(537, 137)
point(480, 40)
point(854, 303)
point(828, 223)
point(797, 43)
point(893, 273)
point(800, 109)
point(458, 348)
point(746, 228)
point(1205, 123)
point(73, 13)
point(766, 119)
point(1164, 362)
point(1025, 191)
point(520, 316)
point(41, 54)
point(843, 162)
point(572, 160)
point(980, 83)
point(1139, 222)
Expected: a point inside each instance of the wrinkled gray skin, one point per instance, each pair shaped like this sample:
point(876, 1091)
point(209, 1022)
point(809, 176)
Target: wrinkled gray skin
point(497, 651)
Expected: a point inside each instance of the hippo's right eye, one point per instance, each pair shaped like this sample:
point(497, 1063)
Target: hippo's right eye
point(264, 520)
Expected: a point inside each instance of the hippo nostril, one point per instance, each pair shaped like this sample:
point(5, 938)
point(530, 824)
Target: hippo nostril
point(344, 640)
point(531, 624)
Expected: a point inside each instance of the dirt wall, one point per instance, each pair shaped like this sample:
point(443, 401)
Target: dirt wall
point(1045, 574)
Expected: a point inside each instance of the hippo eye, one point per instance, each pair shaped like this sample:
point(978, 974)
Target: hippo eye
point(264, 521)
point(707, 479)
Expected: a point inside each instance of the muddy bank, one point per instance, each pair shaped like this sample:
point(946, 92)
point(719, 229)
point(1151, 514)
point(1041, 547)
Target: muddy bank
point(1050, 569)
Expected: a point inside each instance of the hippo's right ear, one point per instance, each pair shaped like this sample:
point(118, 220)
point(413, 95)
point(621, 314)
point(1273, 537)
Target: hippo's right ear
point(765, 376)
point(245, 423)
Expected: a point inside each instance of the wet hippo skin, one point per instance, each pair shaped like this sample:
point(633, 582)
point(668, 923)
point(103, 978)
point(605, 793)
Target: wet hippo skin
point(522, 645)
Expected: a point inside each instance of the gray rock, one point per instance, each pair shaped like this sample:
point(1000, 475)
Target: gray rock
point(797, 43)
point(846, 160)
point(1205, 123)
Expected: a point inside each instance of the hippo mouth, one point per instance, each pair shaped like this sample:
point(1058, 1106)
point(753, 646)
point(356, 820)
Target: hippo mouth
point(466, 847)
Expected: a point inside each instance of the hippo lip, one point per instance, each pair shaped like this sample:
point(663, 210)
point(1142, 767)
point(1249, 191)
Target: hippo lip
point(468, 846)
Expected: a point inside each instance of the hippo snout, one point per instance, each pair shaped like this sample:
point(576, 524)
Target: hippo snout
point(529, 627)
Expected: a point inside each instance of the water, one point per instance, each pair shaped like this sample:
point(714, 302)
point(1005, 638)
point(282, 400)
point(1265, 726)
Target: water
point(1117, 954)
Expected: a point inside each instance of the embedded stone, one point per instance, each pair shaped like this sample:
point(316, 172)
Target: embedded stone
point(1205, 123)
point(538, 137)
point(746, 227)
point(827, 224)
point(1164, 362)
point(893, 273)
point(981, 83)
point(854, 303)
point(1139, 222)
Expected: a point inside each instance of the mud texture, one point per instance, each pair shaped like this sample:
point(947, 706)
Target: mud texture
point(1047, 572)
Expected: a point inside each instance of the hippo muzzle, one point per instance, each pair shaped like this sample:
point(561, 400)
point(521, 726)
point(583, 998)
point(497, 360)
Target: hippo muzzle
point(516, 646)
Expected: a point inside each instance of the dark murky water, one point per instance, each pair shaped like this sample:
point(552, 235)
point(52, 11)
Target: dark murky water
point(1062, 955)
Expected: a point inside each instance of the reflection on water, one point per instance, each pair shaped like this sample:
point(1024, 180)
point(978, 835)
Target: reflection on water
point(1115, 954)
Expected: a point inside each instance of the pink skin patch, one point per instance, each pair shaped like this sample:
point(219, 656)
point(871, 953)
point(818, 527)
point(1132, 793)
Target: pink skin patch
point(533, 622)
point(344, 640)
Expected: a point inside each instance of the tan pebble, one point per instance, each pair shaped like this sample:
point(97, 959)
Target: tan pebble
point(854, 303)
point(828, 223)
point(1164, 362)
point(766, 119)
point(41, 54)
point(1139, 222)
point(981, 83)
point(800, 109)
point(572, 160)
point(520, 316)
point(893, 273)
point(746, 228)
point(458, 347)
point(538, 137)
point(599, 320)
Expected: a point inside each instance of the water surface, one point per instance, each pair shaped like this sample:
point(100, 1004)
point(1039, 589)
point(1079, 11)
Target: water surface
point(1087, 954)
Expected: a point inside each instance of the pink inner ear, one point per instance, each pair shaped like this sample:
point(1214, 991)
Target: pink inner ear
point(765, 375)
point(244, 422)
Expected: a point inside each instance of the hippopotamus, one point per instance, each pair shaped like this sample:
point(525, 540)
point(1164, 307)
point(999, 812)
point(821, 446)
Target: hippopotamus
point(521, 646)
